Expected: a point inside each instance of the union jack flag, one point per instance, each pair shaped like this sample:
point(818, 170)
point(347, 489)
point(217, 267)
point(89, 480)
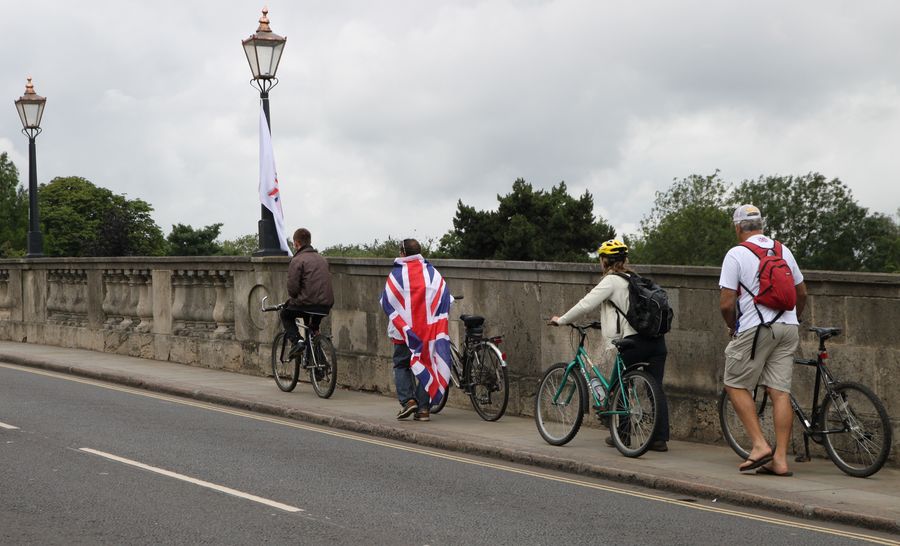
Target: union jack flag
point(417, 302)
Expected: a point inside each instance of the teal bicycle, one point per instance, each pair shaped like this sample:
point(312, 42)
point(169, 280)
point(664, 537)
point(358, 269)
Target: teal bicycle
point(627, 401)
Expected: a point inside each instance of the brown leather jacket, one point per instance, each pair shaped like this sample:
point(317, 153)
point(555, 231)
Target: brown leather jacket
point(309, 280)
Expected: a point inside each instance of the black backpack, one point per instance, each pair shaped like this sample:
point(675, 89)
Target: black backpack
point(649, 312)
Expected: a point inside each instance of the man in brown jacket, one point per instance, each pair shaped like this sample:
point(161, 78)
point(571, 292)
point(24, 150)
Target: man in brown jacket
point(309, 288)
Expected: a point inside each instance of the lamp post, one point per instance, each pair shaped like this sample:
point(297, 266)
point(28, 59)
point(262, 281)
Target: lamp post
point(263, 50)
point(31, 109)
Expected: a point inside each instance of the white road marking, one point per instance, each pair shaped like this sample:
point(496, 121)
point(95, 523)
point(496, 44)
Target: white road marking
point(195, 481)
point(8, 427)
point(403, 447)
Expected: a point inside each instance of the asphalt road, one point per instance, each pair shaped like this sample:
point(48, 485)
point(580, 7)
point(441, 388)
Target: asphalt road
point(96, 463)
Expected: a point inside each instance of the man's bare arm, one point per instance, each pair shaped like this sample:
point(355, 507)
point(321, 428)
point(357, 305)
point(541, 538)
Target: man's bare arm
point(801, 299)
point(728, 308)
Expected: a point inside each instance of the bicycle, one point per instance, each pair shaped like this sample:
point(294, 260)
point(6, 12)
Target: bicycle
point(628, 399)
point(318, 357)
point(480, 371)
point(851, 422)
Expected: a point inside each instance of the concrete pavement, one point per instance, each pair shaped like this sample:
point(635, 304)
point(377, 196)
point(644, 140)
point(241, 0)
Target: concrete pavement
point(818, 489)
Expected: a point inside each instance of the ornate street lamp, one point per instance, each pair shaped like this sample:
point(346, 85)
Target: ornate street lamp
point(31, 110)
point(263, 51)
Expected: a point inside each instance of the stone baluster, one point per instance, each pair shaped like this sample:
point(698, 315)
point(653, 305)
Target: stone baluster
point(112, 298)
point(145, 302)
point(223, 313)
point(79, 297)
point(207, 304)
point(67, 283)
point(129, 300)
point(5, 296)
point(179, 302)
point(192, 301)
point(56, 301)
point(71, 284)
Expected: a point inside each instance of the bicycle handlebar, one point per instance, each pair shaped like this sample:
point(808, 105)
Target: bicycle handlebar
point(582, 328)
point(265, 309)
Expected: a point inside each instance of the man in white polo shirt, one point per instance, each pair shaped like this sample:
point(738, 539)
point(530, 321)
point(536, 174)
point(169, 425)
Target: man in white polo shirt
point(763, 340)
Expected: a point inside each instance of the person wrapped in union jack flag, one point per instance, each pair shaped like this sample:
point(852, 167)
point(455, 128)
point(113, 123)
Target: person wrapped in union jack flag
point(417, 302)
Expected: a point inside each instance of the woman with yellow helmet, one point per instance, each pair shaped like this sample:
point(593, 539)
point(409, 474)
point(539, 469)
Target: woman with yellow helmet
point(612, 298)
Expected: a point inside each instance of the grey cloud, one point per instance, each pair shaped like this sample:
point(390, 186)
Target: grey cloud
point(402, 107)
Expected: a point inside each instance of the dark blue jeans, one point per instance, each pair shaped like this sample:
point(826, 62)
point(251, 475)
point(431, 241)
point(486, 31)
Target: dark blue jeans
point(404, 379)
point(653, 351)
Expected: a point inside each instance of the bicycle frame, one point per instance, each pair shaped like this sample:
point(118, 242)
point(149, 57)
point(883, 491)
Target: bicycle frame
point(468, 353)
point(584, 364)
point(812, 423)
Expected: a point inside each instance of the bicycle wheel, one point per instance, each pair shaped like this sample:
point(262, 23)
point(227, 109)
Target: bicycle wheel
point(558, 404)
point(455, 367)
point(732, 428)
point(323, 371)
point(638, 397)
point(285, 370)
point(859, 439)
point(488, 382)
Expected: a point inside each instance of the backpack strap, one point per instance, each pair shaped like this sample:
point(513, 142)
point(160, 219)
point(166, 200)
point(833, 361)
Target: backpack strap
point(760, 253)
point(777, 249)
point(620, 314)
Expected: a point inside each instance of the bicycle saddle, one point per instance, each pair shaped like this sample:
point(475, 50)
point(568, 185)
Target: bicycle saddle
point(472, 321)
point(624, 344)
point(825, 333)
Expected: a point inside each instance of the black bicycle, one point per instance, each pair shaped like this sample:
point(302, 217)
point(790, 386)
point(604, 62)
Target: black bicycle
point(317, 356)
point(480, 371)
point(850, 421)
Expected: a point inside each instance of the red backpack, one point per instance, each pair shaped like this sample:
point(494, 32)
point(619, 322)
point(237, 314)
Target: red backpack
point(776, 282)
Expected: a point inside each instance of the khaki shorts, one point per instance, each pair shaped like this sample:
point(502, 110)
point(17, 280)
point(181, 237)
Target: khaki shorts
point(773, 364)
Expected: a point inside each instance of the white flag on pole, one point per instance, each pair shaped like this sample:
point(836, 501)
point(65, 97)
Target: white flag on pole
point(269, 195)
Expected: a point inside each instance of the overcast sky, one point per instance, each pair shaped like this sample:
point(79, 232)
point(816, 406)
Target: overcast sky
point(390, 111)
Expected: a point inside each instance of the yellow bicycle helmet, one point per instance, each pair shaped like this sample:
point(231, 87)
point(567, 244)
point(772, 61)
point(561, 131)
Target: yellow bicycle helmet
point(613, 249)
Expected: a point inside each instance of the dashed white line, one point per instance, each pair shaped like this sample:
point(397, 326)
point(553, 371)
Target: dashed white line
point(195, 481)
point(8, 427)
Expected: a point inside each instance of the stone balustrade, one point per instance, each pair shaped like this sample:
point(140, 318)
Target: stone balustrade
point(206, 312)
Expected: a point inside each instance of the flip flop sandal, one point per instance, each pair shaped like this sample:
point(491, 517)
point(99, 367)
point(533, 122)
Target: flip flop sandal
point(756, 463)
point(765, 471)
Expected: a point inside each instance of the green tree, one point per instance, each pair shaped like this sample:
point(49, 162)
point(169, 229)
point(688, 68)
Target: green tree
point(388, 248)
point(81, 219)
point(13, 210)
point(817, 218)
point(244, 245)
point(528, 224)
point(186, 241)
point(881, 251)
point(688, 225)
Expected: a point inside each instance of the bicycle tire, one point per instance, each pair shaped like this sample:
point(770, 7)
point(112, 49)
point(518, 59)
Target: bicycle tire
point(286, 371)
point(866, 443)
point(323, 372)
point(558, 422)
point(455, 367)
point(633, 433)
point(488, 382)
point(732, 428)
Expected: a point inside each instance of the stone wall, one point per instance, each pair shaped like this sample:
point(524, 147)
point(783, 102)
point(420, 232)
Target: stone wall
point(206, 312)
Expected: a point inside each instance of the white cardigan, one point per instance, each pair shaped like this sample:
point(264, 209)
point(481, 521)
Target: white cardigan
point(611, 288)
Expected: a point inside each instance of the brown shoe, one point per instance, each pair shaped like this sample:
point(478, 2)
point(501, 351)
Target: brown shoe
point(423, 415)
point(409, 408)
point(659, 445)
